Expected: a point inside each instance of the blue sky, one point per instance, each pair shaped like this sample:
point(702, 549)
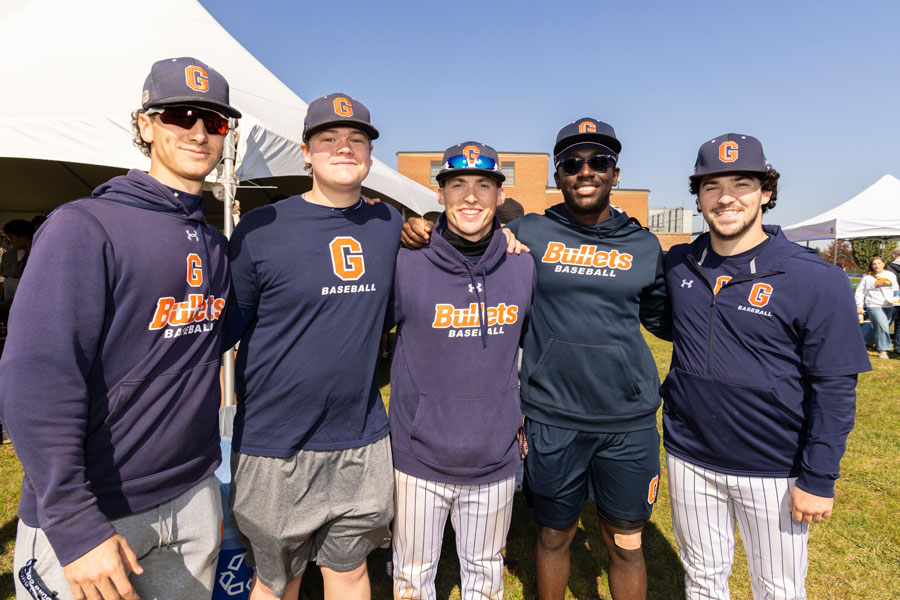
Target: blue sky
point(816, 82)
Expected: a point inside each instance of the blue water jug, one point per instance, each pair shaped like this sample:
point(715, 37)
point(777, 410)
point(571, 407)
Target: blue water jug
point(233, 575)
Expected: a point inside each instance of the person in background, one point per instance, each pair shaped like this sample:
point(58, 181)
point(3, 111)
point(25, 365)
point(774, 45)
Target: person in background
point(876, 293)
point(894, 267)
point(510, 210)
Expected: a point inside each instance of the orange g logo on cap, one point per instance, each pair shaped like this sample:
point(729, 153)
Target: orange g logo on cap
point(728, 152)
point(196, 78)
point(343, 107)
point(471, 153)
point(587, 127)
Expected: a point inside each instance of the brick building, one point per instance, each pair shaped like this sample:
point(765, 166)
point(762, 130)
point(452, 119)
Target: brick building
point(526, 181)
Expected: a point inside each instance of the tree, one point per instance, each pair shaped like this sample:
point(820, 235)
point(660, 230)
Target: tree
point(865, 250)
point(844, 257)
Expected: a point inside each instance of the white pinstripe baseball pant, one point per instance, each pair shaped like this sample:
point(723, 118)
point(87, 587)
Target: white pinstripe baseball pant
point(480, 514)
point(705, 506)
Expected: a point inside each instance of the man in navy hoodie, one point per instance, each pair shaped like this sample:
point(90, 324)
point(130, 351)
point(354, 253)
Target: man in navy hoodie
point(460, 304)
point(761, 395)
point(109, 381)
point(590, 389)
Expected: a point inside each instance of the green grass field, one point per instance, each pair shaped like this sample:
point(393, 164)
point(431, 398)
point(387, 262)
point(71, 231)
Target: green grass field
point(855, 555)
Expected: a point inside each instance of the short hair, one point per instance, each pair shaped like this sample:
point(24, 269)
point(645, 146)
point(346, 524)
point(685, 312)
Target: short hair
point(19, 227)
point(895, 252)
point(769, 181)
point(137, 140)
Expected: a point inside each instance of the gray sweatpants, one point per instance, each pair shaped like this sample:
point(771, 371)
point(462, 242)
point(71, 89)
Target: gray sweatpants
point(176, 543)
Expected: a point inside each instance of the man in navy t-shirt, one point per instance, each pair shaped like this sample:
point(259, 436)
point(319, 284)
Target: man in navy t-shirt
point(312, 274)
point(761, 395)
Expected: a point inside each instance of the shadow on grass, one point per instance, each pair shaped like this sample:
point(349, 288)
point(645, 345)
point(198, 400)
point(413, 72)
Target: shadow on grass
point(7, 542)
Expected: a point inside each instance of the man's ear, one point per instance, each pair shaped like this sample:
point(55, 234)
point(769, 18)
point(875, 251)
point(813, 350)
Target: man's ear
point(501, 196)
point(440, 194)
point(615, 180)
point(145, 126)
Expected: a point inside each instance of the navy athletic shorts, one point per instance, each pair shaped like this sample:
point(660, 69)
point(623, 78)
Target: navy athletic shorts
point(622, 470)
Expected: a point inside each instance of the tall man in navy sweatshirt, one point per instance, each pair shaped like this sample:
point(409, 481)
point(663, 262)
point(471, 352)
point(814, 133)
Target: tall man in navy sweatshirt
point(109, 381)
point(312, 275)
point(460, 304)
point(590, 389)
point(761, 395)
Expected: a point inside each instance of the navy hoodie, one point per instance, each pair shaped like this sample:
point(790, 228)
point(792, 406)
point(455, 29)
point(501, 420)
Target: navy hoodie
point(454, 409)
point(586, 365)
point(109, 381)
point(766, 350)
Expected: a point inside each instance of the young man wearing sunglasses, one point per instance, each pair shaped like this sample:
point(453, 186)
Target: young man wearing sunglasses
point(761, 395)
point(109, 381)
point(460, 304)
point(312, 276)
point(590, 389)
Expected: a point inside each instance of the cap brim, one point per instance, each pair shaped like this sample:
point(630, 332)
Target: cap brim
point(726, 169)
point(583, 138)
point(496, 176)
point(361, 125)
point(229, 111)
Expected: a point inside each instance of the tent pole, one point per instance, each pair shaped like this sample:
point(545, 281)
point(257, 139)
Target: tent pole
point(834, 257)
point(228, 156)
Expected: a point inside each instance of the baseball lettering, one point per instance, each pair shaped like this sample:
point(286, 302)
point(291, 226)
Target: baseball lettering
point(447, 315)
point(760, 294)
point(196, 78)
point(347, 258)
point(471, 153)
point(194, 270)
point(586, 256)
point(587, 127)
point(343, 107)
point(728, 151)
point(654, 488)
point(720, 281)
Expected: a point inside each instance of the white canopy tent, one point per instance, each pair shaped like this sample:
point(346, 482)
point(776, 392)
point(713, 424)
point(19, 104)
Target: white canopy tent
point(874, 213)
point(72, 73)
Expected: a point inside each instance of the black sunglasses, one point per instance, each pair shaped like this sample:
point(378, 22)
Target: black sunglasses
point(186, 116)
point(598, 163)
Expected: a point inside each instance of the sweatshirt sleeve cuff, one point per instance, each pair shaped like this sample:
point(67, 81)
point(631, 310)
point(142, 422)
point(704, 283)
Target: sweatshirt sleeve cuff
point(819, 486)
point(78, 534)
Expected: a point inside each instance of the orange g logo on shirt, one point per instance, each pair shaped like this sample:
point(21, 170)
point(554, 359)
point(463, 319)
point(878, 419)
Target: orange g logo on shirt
point(196, 78)
point(194, 270)
point(720, 281)
point(760, 294)
point(728, 152)
point(343, 107)
point(347, 258)
point(587, 127)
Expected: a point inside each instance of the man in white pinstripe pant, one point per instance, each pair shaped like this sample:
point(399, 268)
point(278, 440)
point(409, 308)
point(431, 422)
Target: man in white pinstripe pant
point(460, 304)
point(761, 395)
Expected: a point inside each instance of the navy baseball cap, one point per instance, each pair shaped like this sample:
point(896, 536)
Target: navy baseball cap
point(339, 110)
point(730, 152)
point(186, 80)
point(470, 158)
point(586, 132)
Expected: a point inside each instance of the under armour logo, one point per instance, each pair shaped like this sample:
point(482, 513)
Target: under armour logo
point(472, 289)
point(192, 235)
point(686, 283)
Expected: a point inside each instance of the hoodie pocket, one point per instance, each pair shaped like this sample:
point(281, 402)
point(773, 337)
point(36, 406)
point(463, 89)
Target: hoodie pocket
point(472, 435)
point(566, 378)
point(730, 425)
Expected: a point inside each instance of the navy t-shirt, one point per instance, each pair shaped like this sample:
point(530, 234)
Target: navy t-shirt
point(319, 280)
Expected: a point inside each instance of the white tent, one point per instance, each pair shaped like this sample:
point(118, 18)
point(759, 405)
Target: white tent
point(72, 73)
point(874, 213)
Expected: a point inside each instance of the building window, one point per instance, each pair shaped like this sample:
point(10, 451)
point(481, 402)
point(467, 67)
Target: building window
point(509, 170)
point(435, 169)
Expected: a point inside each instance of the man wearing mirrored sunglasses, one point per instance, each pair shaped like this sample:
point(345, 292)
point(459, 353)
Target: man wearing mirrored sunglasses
point(109, 382)
point(460, 305)
point(590, 389)
point(312, 478)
